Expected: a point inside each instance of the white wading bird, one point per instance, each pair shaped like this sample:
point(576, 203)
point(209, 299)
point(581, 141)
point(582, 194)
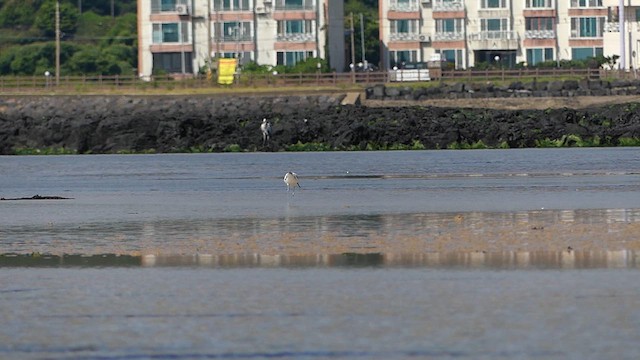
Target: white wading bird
point(266, 131)
point(291, 179)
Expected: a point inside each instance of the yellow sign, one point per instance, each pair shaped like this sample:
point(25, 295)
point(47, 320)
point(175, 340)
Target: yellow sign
point(226, 70)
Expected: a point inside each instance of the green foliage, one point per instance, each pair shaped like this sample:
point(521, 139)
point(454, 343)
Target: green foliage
point(92, 43)
point(45, 19)
point(369, 10)
point(232, 148)
point(467, 146)
point(18, 14)
point(308, 66)
point(309, 147)
point(254, 68)
point(629, 141)
point(45, 151)
point(570, 140)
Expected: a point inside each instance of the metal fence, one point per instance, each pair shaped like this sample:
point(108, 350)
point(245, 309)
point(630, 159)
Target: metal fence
point(133, 84)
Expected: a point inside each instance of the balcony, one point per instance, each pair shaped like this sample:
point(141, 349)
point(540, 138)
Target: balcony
point(404, 7)
point(497, 40)
point(448, 36)
point(409, 37)
point(540, 34)
point(440, 6)
point(297, 37)
point(233, 38)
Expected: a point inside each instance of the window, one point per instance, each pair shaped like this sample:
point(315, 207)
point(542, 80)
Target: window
point(585, 53)
point(289, 27)
point(230, 5)
point(170, 33)
point(494, 24)
point(587, 27)
point(449, 25)
point(294, 4)
point(174, 62)
point(290, 58)
point(453, 56)
point(493, 4)
point(404, 26)
point(535, 56)
point(539, 3)
point(399, 57)
point(539, 23)
point(586, 3)
point(165, 5)
point(233, 31)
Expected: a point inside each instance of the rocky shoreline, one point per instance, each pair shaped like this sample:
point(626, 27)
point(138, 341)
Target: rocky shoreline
point(181, 123)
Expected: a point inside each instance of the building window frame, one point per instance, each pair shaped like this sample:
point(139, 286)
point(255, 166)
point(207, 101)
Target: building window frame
point(587, 27)
point(493, 4)
point(539, 55)
point(171, 33)
point(586, 3)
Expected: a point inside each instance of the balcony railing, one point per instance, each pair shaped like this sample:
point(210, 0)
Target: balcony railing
point(233, 38)
point(540, 34)
point(285, 7)
point(404, 7)
point(409, 37)
point(448, 6)
point(494, 35)
point(298, 37)
point(448, 36)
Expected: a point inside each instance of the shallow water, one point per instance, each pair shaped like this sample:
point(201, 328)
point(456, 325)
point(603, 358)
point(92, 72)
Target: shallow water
point(335, 313)
point(383, 255)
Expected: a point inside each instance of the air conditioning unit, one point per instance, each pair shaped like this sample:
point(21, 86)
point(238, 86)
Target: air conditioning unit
point(424, 38)
point(182, 9)
point(261, 10)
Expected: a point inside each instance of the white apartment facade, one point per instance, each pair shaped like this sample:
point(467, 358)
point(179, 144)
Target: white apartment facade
point(181, 36)
point(507, 32)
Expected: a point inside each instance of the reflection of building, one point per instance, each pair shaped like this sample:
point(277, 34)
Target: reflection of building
point(504, 32)
point(180, 36)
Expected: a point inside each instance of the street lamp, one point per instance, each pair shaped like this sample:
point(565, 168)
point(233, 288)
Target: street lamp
point(47, 75)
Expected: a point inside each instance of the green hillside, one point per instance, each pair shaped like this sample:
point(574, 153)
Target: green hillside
point(98, 37)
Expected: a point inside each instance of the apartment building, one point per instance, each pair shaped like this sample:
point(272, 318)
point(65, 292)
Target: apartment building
point(181, 36)
point(507, 32)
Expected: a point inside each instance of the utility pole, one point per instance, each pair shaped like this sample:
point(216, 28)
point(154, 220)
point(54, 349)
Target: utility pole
point(353, 46)
point(57, 42)
point(623, 44)
point(364, 60)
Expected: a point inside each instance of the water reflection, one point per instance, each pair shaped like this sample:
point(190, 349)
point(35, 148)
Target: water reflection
point(567, 259)
point(412, 233)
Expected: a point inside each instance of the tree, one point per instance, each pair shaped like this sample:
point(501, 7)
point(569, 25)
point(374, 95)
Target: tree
point(369, 9)
point(46, 18)
point(18, 14)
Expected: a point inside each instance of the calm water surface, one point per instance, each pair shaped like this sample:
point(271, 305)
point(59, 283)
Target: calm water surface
point(476, 306)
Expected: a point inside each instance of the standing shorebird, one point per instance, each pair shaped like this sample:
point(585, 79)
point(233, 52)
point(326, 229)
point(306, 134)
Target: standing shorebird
point(291, 179)
point(265, 127)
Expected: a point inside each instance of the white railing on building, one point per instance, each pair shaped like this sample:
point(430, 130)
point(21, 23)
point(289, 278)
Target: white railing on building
point(405, 7)
point(494, 35)
point(409, 37)
point(448, 36)
point(301, 37)
point(440, 5)
point(539, 34)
